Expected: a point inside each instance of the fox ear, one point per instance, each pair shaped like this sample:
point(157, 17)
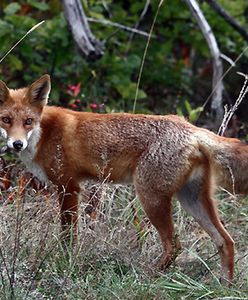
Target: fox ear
point(39, 91)
point(4, 92)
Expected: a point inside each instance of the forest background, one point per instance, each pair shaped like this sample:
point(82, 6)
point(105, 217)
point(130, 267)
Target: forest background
point(177, 73)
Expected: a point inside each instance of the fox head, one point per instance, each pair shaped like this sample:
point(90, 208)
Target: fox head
point(21, 110)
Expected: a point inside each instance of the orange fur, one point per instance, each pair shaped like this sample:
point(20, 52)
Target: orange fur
point(162, 155)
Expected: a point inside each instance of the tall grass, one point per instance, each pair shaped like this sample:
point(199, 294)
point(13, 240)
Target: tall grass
point(109, 262)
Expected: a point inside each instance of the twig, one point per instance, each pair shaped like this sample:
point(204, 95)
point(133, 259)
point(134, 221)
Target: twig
point(17, 43)
point(120, 26)
point(229, 114)
point(228, 59)
point(224, 75)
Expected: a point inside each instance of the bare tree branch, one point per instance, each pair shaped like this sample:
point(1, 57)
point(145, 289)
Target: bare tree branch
point(120, 26)
point(228, 18)
point(88, 45)
point(217, 85)
point(143, 13)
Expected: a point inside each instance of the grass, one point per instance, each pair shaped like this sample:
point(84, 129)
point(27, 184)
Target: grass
point(109, 261)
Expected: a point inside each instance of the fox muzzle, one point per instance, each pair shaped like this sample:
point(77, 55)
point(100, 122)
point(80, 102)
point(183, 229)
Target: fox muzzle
point(17, 145)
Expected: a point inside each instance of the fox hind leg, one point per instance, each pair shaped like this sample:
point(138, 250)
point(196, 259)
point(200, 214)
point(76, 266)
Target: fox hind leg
point(195, 197)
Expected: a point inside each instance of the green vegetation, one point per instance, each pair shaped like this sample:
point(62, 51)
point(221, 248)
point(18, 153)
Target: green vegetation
point(177, 66)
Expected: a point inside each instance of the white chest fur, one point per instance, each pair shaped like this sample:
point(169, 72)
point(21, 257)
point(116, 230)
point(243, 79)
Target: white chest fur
point(28, 154)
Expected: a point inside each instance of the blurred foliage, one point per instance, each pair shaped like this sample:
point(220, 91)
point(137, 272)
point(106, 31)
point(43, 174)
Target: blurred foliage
point(177, 67)
point(188, 110)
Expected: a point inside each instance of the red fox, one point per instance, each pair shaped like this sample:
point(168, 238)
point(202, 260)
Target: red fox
point(164, 156)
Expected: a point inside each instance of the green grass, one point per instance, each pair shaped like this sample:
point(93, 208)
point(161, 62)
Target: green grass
point(109, 262)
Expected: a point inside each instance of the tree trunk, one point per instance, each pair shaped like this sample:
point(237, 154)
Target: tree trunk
point(90, 48)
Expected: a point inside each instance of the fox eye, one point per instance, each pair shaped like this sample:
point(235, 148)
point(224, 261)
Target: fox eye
point(6, 120)
point(28, 121)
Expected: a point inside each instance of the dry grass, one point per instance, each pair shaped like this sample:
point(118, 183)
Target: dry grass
point(109, 262)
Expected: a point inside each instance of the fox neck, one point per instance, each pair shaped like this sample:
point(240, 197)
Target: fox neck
point(28, 155)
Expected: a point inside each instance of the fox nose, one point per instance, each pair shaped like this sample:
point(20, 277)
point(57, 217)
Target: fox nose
point(18, 145)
